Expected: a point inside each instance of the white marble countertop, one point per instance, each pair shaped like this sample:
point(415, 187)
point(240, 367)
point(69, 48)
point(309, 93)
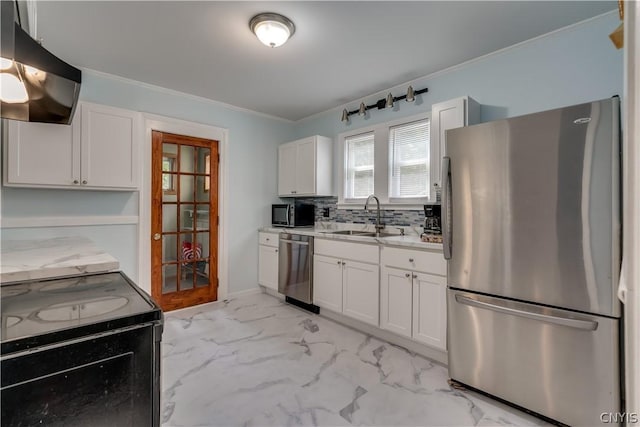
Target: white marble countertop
point(411, 238)
point(54, 257)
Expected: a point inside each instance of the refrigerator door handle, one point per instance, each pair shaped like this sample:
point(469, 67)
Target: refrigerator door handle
point(446, 203)
point(587, 325)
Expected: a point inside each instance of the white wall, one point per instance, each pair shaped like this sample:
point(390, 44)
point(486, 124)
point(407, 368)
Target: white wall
point(252, 157)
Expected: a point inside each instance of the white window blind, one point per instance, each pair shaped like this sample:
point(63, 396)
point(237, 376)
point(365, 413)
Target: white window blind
point(409, 163)
point(359, 152)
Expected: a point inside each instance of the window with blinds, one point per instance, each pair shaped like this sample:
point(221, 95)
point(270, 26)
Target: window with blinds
point(360, 161)
point(409, 162)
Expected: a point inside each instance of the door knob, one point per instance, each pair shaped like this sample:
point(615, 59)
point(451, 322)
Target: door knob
point(156, 236)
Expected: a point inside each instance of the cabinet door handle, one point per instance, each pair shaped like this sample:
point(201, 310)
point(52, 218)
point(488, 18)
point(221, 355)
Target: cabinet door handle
point(410, 259)
point(75, 181)
point(338, 262)
point(344, 263)
point(276, 251)
point(84, 181)
point(407, 275)
point(415, 276)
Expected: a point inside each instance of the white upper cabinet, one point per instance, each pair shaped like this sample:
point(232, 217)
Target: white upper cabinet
point(305, 167)
point(99, 150)
point(110, 147)
point(42, 154)
point(455, 113)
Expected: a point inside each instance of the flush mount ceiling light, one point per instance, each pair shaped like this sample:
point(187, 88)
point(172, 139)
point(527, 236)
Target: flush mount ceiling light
point(272, 29)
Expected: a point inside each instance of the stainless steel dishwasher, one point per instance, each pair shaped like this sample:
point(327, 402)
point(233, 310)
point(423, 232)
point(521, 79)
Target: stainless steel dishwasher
point(295, 270)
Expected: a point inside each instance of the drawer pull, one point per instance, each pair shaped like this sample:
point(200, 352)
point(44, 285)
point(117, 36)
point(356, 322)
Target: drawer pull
point(415, 276)
point(410, 259)
point(407, 275)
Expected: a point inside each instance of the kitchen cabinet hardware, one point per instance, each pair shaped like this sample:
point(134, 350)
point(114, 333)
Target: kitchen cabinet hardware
point(75, 181)
point(157, 236)
point(407, 275)
point(411, 259)
point(84, 181)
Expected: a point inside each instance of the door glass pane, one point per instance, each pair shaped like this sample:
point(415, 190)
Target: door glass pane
point(169, 278)
point(204, 158)
point(202, 275)
point(170, 149)
point(186, 275)
point(187, 215)
point(189, 251)
point(186, 188)
point(169, 248)
point(202, 240)
point(187, 158)
point(169, 218)
point(202, 217)
point(202, 188)
point(169, 187)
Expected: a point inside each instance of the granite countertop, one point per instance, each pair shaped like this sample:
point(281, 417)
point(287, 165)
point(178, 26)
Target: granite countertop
point(411, 239)
point(54, 257)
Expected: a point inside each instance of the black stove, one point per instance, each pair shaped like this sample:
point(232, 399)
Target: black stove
point(79, 351)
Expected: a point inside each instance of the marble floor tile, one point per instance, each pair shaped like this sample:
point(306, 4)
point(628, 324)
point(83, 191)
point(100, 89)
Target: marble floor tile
point(256, 361)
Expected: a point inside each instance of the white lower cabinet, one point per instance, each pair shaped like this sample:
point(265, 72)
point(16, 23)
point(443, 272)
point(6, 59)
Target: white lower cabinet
point(414, 303)
point(430, 310)
point(396, 301)
point(360, 291)
point(347, 285)
point(327, 282)
point(268, 260)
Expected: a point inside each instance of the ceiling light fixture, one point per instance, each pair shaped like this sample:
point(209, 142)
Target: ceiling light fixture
point(272, 29)
point(383, 103)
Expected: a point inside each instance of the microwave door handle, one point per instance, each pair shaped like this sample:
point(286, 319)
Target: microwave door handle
point(587, 325)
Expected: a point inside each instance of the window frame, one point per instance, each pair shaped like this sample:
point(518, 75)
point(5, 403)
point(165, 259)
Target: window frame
point(382, 166)
point(347, 175)
point(410, 200)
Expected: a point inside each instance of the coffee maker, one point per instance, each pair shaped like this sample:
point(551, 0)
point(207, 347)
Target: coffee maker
point(432, 219)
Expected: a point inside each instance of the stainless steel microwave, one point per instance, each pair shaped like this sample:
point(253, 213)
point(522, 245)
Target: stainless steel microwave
point(293, 215)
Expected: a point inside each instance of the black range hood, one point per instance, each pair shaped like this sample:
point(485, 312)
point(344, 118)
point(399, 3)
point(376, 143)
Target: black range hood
point(35, 85)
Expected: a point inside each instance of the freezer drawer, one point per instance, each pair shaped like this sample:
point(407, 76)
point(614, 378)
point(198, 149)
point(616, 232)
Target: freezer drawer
point(558, 363)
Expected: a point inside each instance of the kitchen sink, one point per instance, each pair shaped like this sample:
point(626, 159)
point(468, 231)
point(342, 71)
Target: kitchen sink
point(353, 233)
point(361, 233)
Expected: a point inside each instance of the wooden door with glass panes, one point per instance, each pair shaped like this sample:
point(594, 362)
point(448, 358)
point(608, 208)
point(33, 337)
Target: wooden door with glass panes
point(184, 220)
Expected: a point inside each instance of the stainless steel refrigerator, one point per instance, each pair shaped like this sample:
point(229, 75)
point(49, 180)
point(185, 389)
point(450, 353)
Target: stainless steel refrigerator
point(531, 229)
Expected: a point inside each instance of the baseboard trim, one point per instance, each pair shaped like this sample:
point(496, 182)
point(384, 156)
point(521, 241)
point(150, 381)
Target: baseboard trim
point(423, 350)
point(244, 293)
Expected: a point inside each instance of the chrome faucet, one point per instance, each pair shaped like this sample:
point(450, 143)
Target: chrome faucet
point(378, 225)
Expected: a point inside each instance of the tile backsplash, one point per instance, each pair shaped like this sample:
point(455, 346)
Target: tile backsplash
point(407, 218)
